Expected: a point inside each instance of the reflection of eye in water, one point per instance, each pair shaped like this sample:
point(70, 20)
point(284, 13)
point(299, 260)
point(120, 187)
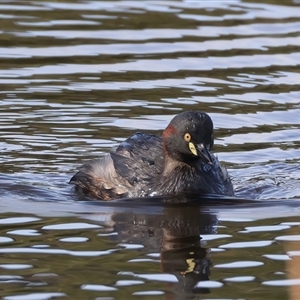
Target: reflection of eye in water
point(176, 235)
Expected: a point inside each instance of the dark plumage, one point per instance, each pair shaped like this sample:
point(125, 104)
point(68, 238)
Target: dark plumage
point(146, 165)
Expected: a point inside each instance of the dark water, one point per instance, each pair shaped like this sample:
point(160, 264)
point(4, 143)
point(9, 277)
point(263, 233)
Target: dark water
point(78, 77)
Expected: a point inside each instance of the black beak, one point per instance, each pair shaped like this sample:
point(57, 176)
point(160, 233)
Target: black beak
point(204, 153)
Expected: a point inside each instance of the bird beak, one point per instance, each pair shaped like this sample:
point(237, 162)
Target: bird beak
point(204, 153)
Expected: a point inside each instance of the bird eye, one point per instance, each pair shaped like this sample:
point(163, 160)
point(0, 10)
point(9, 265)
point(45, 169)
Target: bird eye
point(187, 137)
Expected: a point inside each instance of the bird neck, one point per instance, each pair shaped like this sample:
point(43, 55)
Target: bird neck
point(171, 164)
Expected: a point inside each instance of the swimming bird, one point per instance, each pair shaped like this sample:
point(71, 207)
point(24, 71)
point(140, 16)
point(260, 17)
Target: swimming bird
point(145, 165)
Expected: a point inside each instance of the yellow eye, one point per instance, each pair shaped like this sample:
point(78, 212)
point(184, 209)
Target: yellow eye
point(187, 137)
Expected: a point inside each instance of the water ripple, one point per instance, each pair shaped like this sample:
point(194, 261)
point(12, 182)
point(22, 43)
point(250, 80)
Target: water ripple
point(79, 77)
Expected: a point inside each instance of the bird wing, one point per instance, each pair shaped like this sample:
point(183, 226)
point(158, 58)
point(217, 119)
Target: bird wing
point(139, 158)
point(97, 178)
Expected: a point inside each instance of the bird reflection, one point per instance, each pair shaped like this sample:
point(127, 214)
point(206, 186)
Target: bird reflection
point(176, 234)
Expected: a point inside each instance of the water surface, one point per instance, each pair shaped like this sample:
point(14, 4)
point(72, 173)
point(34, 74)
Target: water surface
point(79, 77)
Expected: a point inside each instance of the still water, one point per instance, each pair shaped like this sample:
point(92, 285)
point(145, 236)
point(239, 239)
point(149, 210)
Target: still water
point(78, 77)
